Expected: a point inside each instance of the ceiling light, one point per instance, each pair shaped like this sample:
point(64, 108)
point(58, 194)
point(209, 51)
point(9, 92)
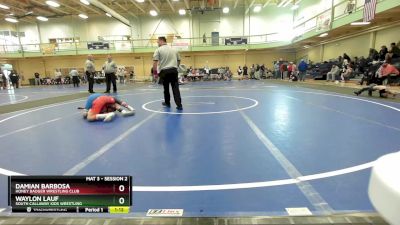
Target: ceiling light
point(153, 13)
point(323, 35)
point(360, 23)
point(83, 16)
point(257, 8)
point(140, 1)
point(294, 7)
point(108, 14)
point(281, 3)
point(286, 4)
point(225, 10)
point(86, 2)
point(42, 18)
point(4, 6)
point(182, 12)
point(306, 46)
point(11, 20)
point(52, 3)
point(175, 0)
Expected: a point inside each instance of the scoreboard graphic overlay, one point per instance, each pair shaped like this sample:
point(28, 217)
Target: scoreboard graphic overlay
point(70, 194)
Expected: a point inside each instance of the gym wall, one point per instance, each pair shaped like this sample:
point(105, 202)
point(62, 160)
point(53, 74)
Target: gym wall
point(356, 46)
point(143, 62)
point(353, 46)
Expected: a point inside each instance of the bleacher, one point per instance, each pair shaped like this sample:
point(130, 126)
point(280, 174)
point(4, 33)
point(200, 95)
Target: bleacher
point(319, 71)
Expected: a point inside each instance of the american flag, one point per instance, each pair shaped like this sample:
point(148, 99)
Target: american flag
point(369, 10)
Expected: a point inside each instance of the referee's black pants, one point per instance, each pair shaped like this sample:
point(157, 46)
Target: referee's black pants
point(90, 79)
point(110, 78)
point(75, 81)
point(170, 76)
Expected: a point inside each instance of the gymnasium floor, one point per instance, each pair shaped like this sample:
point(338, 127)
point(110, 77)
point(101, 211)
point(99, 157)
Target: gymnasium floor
point(239, 148)
point(14, 96)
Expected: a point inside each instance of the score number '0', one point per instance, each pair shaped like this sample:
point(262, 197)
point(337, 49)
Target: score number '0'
point(121, 200)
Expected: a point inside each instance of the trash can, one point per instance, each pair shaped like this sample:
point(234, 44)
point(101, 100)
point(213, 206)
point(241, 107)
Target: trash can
point(31, 81)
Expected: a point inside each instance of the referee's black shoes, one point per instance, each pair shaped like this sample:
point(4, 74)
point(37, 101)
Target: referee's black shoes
point(166, 105)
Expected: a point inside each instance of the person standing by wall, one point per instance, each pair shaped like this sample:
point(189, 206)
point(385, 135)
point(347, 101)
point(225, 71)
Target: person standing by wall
point(168, 59)
point(207, 71)
point(252, 71)
point(4, 80)
point(245, 72)
point(240, 71)
point(57, 76)
point(257, 73)
point(262, 71)
point(37, 78)
point(290, 69)
point(302, 70)
point(132, 76)
point(75, 77)
point(14, 79)
point(121, 75)
point(110, 69)
point(276, 70)
point(89, 71)
point(282, 69)
point(295, 71)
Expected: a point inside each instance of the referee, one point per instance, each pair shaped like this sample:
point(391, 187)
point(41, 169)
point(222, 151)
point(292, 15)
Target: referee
point(90, 70)
point(168, 60)
point(110, 69)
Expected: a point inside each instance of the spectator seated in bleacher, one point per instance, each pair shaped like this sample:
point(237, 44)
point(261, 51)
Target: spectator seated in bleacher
point(394, 50)
point(331, 75)
point(346, 61)
point(373, 54)
point(383, 52)
point(362, 63)
point(345, 76)
point(370, 70)
point(345, 64)
point(386, 70)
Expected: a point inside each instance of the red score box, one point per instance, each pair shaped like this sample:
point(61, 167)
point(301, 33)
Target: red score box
point(76, 189)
